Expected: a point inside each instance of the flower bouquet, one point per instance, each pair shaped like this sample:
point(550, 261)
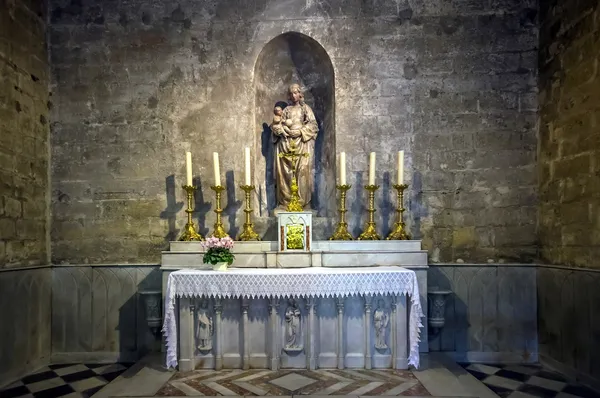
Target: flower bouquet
point(218, 252)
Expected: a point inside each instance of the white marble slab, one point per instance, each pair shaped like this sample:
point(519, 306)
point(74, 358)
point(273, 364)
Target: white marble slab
point(324, 254)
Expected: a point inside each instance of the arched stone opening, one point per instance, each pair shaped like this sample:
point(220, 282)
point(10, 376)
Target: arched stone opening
point(296, 58)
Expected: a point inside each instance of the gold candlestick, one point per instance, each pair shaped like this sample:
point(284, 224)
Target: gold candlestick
point(341, 231)
point(219, 231)
point(248, 232)
point(189, 231)
point(399, 233)
point(370, 232)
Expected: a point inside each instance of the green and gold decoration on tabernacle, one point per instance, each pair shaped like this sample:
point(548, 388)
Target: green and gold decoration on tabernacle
point(295, 232)
point(293, 156)
point(294, 236)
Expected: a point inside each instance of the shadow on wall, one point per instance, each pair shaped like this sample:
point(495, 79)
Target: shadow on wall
point(232, 205)
point(170, 212)
point(491, 314)
point(136, 338)
point(98, 311)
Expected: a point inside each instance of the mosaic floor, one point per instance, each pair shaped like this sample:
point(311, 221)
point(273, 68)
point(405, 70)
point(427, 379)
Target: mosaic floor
point(439, 379)
point(527, 381)
point(297, 382)
point(72, 380)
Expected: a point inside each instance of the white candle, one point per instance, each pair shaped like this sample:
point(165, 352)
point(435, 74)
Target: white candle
point(372, 169)
point(400, 167)
point(188, 168)
point(343, 168)
point(247, 166)
point(216, 167)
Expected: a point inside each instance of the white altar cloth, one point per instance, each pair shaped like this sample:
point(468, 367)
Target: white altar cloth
point(295, 282)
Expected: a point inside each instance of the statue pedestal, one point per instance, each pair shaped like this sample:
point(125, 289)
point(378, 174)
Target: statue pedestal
point(294, 232)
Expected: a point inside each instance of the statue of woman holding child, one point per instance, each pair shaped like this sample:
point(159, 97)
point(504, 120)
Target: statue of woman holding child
point(294, 129)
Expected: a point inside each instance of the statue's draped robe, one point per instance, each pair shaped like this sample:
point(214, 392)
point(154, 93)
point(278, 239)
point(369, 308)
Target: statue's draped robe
point(204, 332)
point(304, 131)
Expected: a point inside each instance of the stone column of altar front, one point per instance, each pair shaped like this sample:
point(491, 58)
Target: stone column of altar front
point(246, 331)
point(218, 334)
point(400, 347)
point(368, 357)
point(186, 323)
point(340, 331)
point(274, 310)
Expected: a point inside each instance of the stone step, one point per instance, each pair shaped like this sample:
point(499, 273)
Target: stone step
point(317, 245)
point(273, 259)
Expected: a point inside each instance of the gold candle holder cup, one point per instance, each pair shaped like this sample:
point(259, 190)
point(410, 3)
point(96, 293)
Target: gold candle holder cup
point(219, 231)
point(341, 231)
point(370, 232)
point(399, 231)
point(248, 233)
point(189, 231)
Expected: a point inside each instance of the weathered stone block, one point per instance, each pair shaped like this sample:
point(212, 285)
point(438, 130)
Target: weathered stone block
point(12, 207)
point(7, 228)
point(573, 166)
point(464, 237)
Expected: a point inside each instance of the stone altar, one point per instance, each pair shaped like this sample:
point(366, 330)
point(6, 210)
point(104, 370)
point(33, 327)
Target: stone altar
point(248, 324)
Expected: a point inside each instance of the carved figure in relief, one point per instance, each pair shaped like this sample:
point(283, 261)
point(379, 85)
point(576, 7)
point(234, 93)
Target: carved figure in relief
point(204, 330)
point(294, 127)
point(380, 321)
point(293, 340)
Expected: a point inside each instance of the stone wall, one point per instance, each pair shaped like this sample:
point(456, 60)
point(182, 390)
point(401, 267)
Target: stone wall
point(568, 304)
point(136, 84)
point(24, 78)
point(98, 313)
point(491, 314)
point(569, 164)
point(569, 138)
point(25, 300)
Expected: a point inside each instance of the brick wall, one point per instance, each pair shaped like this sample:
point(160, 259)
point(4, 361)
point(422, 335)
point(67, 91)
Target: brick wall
point(24, 76)
point(137, 84)
point(569, 137)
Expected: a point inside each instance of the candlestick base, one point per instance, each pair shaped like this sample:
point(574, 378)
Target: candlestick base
point(248, 233)
point(189, 232)
point(341, 231)
point(219, 231)
point(370, 232)
point(399, 232)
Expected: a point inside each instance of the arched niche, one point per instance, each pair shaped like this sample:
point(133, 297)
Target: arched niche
point(296, 58)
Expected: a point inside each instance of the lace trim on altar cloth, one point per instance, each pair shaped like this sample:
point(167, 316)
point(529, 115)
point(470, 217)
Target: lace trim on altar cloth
point(306, 282)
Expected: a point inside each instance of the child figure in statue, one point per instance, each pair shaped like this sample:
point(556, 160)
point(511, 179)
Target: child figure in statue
point(277, 120)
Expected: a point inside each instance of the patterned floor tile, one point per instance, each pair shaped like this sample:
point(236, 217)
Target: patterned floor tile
point(295, 382)
point(65, 380)
point(527, 381)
